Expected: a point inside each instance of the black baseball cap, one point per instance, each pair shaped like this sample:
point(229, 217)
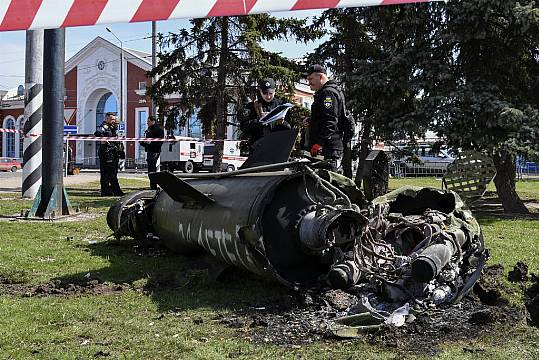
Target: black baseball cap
point(267, 85)
point(316, 69)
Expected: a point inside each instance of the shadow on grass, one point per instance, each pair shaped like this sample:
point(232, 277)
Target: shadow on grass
point(92, 199)
point(174, 281)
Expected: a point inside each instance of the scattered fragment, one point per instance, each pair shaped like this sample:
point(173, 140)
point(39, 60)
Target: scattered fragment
point(519, 273)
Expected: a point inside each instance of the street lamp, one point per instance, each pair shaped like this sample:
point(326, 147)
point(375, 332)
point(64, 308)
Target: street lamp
point(121, 112)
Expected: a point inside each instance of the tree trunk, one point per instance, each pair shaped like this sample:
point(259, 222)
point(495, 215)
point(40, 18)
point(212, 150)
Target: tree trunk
point(363, 150)
point(505, 183)
point(348, 70)
point(220, 106)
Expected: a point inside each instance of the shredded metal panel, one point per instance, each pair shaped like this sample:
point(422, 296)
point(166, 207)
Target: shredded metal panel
point(272, 148)
point(469, 175)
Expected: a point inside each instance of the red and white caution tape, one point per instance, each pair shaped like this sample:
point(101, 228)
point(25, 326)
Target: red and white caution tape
point(117, 138)
point(49, 14)
point(123, 138)
point(9, 131)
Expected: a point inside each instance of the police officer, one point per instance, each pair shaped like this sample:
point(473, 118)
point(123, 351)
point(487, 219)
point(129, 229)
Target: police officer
point(325, 137)
point(265, 102)
point(153, 148)
point(109, 156)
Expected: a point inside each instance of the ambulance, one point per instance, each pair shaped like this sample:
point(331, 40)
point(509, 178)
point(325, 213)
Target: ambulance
point(233, 158)
point(185, 154)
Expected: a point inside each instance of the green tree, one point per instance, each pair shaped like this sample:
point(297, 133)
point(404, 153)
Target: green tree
point(377, 53)
point(489, 98)
point(213, 66)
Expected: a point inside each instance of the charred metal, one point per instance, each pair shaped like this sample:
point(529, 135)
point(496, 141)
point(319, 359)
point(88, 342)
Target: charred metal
point(297, 224)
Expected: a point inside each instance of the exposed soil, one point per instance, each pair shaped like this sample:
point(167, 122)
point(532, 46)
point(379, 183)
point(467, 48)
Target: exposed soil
point(298, 320)
point(60, 288)
point(519, 273)
point(532, 301)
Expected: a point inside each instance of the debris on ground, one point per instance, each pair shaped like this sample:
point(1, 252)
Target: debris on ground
point(288, 321)
point(532, 301)
point(519, 273)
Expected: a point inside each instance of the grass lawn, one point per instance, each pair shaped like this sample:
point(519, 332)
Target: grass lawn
point(162, 307)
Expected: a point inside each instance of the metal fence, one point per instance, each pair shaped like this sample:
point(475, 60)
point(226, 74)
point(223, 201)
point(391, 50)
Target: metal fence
point(400, 169)
point(526, 170)
point(129, 163)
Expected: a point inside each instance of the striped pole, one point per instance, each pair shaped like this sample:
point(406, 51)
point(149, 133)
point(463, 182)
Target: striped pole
point(31, 173)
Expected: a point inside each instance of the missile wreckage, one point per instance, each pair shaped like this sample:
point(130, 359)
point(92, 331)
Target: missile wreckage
point(293, 222)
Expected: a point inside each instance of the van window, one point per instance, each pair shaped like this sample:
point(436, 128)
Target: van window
point(192, 146)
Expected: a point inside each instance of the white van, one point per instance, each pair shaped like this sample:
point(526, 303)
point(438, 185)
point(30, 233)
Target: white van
point(185, 154)
point(233, 158)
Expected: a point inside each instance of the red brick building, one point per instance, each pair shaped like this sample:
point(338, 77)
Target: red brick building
point(95, 84)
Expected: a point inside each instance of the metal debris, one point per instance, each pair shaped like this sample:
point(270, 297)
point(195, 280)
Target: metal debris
point(410, 250)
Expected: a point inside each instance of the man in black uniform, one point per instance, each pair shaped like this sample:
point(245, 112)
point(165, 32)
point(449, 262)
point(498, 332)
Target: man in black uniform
point(109, 154)
point(325, 137)
point(250, 126)
point(153, 148)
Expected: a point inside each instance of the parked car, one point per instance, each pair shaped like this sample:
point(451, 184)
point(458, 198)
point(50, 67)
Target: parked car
point(9, 164)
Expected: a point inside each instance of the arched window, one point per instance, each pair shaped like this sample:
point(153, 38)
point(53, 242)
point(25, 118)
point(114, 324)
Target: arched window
point(106, 104)
point(9, 138)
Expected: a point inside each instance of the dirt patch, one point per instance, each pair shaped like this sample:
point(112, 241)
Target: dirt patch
point(303, 319)
point(532, 301)
point(519, 273)
point(490, 287)
point(61, 288)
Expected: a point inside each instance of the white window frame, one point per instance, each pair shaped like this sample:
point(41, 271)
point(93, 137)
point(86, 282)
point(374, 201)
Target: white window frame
point(4, 135)
point(138, 110)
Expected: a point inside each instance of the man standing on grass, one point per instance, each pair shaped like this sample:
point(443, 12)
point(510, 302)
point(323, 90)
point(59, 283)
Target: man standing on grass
point(110, 153)
point(153, 148)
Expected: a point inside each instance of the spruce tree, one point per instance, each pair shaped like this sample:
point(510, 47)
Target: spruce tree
point(214, 67)
point(489, 97)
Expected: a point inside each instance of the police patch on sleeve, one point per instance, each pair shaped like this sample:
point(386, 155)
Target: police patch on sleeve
point(328, 102)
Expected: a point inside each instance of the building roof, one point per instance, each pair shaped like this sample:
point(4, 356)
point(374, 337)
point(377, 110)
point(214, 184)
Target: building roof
point(136, 57)
point(13, 94)
point(141, 54)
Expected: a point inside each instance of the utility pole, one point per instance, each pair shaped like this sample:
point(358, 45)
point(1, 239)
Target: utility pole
point(121, 112)
point(154, 61)
point(52, 200)
point(33, 120)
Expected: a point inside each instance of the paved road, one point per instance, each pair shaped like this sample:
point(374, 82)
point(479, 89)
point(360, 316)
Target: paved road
point(11, 182)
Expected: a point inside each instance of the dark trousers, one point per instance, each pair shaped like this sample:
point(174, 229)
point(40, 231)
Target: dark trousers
point(151, 159)
point(334, 158)
point(109, 178)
